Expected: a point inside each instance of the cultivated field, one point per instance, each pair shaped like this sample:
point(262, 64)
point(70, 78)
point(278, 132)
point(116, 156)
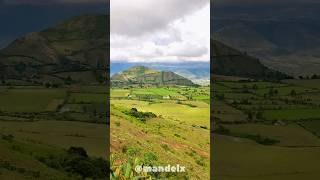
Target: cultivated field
point(39, 125)
point(161, 126)
point(266, 130)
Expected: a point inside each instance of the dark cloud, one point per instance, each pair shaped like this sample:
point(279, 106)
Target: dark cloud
point(44, 2)
point(16, 20)
point(262, 2)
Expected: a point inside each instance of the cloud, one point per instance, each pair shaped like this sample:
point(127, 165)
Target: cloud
point(44, 2)
point(166, 30)
point(257, 2)
point(139, 16)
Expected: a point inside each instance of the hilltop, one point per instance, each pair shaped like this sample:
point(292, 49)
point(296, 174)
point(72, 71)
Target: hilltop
point(231, 62)
point(141, 75)
point(284, 37)
point(73, 51)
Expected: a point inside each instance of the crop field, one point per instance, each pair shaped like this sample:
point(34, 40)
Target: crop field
point(177, 133)
point(59, 117)
point(273, 127)
point(90, 136)
point(30, 100)
point(53, 133)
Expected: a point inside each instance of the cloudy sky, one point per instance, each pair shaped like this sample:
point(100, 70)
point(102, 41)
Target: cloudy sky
point(160, 31)
point(19, 17)
point(262, 2)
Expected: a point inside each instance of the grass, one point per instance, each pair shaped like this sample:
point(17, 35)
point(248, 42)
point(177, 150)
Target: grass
point(31, 100)
point(19, 161)
point(292, 114)
point(262, 162)
point(286, 112)
point(87, 98)
point(289, 135)
point(57, 133)
point(168, 137)
point(199, 115)
point(312, 126)
point(116, 93)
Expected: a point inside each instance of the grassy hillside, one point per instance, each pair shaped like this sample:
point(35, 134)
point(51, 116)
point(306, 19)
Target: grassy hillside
point(29, 159)
point(140, 75)
point(231, 62)
point(285, 37)
point(161, 126)
point(53, 104)
point(56, 55)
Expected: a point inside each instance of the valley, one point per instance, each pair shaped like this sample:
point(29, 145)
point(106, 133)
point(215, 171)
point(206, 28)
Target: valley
point(56, 119)
point(160, 124)
point(53, 102)
point(266, 130)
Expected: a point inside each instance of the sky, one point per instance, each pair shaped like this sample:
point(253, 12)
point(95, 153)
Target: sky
point(19, 17)
point(261, 2)
point(160, 31)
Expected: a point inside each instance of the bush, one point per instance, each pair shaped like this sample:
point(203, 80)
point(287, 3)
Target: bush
point(140, 115)
point(150, 157)
point(132, 151)
point(78, 151)
point(77, 162)
point(8, 138)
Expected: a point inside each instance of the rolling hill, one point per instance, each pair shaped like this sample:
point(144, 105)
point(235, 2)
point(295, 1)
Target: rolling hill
point(285, 37)
point(74, 51)
point(231, 62)
point(141, 75)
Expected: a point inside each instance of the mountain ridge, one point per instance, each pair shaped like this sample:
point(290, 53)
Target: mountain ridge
point(79, 44)
point(142, 75)
point(231, 62)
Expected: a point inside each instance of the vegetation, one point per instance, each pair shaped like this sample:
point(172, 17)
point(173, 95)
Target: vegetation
point(268, 125)
point(157, 127)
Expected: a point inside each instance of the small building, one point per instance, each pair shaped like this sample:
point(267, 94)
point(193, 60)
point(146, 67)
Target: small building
point(166, 97)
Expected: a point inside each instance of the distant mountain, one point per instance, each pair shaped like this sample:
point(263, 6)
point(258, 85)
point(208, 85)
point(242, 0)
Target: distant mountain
point(285, 37)
point(141, 75)
point(231, 62)
point(197, 72)
point(76, 50)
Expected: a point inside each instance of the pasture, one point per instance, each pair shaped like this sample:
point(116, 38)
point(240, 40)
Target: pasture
point(59, 117)
point(268, 125)
point(30, 100)
point(179, 134)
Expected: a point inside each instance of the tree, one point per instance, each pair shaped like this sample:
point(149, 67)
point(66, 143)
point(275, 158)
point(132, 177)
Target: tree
point(78, 151)
point(68, 80)
point(250, 116)
point(293, 92)
point(259, 115)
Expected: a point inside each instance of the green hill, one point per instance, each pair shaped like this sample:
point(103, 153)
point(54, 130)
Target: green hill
point(140, 75)
point(74, 51)
point(231, 62)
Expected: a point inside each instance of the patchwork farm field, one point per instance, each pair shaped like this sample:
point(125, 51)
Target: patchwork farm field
point(43, 129)
point(176, 132)
point(266, 130)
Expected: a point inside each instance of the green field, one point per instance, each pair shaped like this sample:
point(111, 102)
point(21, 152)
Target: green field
point(179, 134)
point(39, 125)
point(271, 126)
point(30, 100)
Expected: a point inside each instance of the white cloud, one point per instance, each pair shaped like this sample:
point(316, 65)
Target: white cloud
point(154, 30)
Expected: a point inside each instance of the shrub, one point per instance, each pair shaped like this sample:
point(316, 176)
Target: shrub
point(132, 151)
point(150, 157)
point(8, 138)
point(140, 115)
point(78, 151)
